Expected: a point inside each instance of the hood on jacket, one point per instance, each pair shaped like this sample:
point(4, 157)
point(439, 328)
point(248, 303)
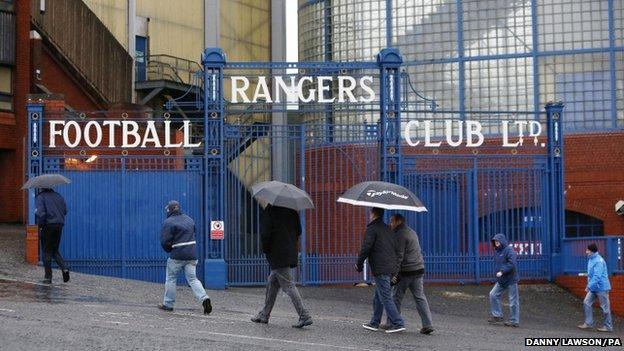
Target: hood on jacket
point(500, 238)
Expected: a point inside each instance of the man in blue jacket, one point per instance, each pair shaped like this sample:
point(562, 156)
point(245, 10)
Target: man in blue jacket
point(598, 287)
point(506, 279)
point(50, 211)
point(178, 239)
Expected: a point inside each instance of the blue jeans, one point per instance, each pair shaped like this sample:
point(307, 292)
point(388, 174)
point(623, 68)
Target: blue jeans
point(603, 297)
point(514, 301)
point(173, 268)
point(383, 301)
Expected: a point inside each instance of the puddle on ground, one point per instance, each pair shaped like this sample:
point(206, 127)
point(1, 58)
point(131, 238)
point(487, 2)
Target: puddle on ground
point(461, 295)
point(19, 291)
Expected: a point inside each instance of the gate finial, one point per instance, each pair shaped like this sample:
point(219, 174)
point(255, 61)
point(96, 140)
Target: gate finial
point(213, 56)
point(390, 57)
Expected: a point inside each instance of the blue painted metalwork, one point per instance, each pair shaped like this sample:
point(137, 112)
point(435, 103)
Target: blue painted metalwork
point(470, 195)
point(389, 26)
point(390, 61)
point(556, 216)
point(534, 55)
point(213, 61)
point(35, 151)
point(574, 259)
point(461, 60)
point(612, 67)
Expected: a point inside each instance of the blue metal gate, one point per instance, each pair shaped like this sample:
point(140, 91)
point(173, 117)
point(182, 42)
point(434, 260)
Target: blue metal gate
point(117, 196)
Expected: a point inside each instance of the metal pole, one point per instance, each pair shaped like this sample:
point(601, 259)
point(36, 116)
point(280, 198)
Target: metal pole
point(304, 268)
point(213, 60)
point(35, 151)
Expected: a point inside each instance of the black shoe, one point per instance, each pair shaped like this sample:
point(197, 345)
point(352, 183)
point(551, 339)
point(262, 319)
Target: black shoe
point(46, 281)
point(385, 326)
point(395, 329)
point(426, 330)
point(257, 319)
point(207, 306)
point(303, 322)
point(511, 324)
point(165, 308)
point(495, 320)
point(66, 275)
point(370, 327)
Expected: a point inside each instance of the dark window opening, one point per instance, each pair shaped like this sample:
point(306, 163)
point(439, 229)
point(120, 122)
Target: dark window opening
point(6, 88)
point(581, 225)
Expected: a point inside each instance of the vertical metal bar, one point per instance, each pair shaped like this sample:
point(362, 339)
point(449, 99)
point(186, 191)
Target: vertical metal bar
point(304, 263)
point(461, 60)
point(474, 217)
point(535, 59)
point(35, 152)
point(612, 67)
point(389, 24)
point(122, 217)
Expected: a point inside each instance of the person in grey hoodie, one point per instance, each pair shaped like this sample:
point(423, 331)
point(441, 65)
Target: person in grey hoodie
point(178, 239)
point(411, 272)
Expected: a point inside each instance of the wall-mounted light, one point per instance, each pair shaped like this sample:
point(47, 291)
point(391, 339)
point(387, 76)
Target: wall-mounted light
point(92, 158)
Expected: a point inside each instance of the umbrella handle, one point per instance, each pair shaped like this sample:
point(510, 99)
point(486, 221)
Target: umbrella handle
point(365, 271)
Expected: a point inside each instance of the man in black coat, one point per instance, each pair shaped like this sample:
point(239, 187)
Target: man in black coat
point(50, 211)
point(280, 229)
point(381, 250)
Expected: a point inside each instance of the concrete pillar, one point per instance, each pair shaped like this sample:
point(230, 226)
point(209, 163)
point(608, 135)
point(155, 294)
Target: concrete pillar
point(212, 24)
point(282, 163)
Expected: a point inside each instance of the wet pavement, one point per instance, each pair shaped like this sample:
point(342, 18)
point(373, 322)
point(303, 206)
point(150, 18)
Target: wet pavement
point(93, 312)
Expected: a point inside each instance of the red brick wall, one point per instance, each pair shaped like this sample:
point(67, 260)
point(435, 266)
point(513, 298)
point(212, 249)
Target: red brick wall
point(13, 125)
point(57, 80)
point(594, 176)
point(576, 285)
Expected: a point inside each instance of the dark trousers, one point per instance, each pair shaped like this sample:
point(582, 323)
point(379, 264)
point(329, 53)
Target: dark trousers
point(415, 285)
point(281, 278)
point(383, 301)
point(50, 241)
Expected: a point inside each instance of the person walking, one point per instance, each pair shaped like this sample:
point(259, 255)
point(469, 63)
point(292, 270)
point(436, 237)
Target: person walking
point(280, 229)
point(178, 239)
point(50, 212)
point(506, 279)
point(598, 287)
point(411, 272)
point(380, 248)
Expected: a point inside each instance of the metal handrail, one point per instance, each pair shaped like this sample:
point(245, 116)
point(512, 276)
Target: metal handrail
point(168, 67)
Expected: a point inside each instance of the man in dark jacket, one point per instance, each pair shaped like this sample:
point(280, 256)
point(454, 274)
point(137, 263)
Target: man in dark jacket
point(280, 229)
point(50, 211)
point(380, 248)
point(506, 279)
point(178, 239)
point(411, 272)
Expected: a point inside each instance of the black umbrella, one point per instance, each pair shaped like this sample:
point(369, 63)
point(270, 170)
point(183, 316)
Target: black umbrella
point(383, 195)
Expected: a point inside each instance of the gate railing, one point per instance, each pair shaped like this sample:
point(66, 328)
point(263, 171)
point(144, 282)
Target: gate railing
point(611, 248)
